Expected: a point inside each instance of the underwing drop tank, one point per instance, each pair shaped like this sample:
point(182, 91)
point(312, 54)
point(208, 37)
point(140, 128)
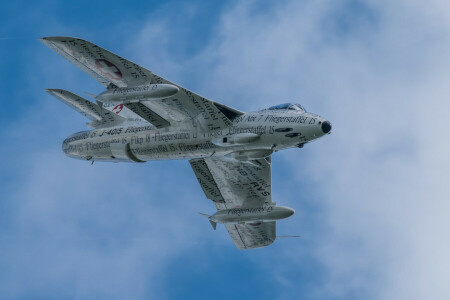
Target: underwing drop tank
point(250, 215)
point(138, 93)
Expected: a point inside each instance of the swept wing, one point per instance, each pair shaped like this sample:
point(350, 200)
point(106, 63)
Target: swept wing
point(230, 184)
point(114, 71)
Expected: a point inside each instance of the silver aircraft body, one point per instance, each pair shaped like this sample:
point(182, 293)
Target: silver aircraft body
point(142, 116)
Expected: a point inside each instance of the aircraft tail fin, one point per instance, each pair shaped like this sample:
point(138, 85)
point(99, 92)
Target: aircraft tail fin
point(213, 224)
point(99, 116)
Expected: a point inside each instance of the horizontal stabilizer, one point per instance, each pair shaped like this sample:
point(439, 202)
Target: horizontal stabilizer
point(99, 116)
point(213, 224)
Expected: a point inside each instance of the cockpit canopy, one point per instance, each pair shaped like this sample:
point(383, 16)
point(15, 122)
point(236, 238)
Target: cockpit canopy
point(289, 106)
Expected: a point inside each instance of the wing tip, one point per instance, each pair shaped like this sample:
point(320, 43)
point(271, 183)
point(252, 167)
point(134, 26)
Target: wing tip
point(49, 40)
point(50, 91)
point(53, 91)
point(56, 37)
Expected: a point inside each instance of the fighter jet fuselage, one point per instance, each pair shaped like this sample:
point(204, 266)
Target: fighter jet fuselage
point(252, 136)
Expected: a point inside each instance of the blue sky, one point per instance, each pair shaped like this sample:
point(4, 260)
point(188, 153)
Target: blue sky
point(371, 199)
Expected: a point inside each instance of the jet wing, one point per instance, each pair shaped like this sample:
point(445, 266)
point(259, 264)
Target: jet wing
point(246, 184)
point(99, 116)
point(114, 71)
point(104, 66)
point(250, 236)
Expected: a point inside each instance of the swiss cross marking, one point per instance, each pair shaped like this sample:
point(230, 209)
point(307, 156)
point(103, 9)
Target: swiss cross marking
point(108, 69)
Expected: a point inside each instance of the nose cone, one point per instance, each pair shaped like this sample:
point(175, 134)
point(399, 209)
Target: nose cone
point(326, 127)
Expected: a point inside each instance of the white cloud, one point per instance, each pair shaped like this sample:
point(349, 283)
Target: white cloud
point(377, 184)
point(383, 82)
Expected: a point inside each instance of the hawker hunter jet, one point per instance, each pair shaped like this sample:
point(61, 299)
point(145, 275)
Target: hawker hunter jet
point(142, 116)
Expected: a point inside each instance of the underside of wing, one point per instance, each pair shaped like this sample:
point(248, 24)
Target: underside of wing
point(239, 184)
point(147, 114)
point(250, 236)
point(230, 183)
point(114, 71)
point(106, 67)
